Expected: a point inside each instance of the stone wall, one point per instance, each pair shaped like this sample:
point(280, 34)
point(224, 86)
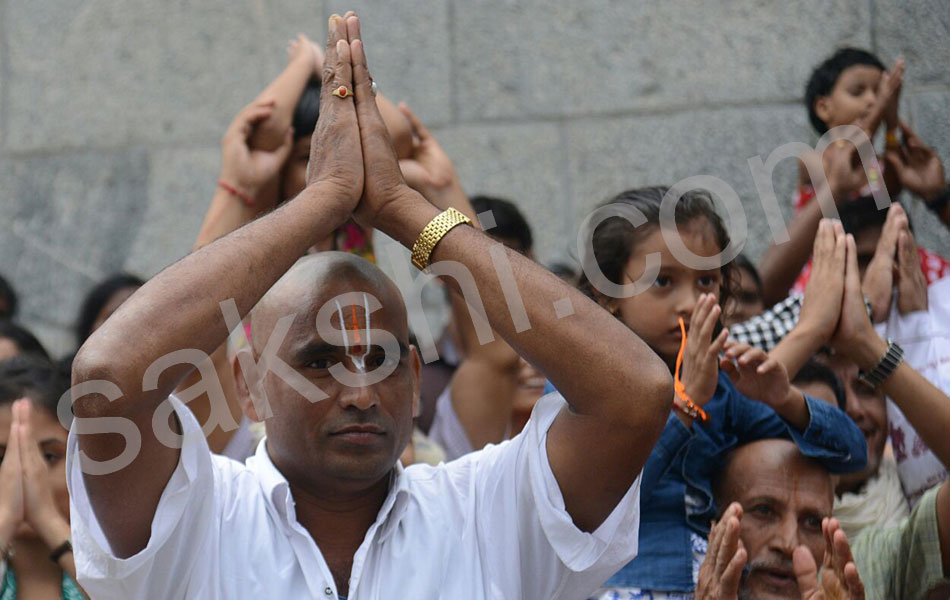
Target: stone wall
point(111, 112)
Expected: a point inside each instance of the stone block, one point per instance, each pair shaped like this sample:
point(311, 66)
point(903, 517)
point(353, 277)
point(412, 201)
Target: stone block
point(83, 209)
point(609, 155)
point(524, 163)
point(567, 58)
point(135, 71)
point(408, 51)
point(180, 187)
point(918, 31)
point(930, 118)
point(931, 121)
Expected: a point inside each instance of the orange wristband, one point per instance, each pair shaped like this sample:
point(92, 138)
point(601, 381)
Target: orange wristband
point(688, 406)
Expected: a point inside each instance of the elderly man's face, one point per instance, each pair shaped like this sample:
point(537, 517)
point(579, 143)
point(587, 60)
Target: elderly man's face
point(784, 497)
point(355, 436)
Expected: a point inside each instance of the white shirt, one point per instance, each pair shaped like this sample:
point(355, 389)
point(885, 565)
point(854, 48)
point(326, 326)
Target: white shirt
point(489, 525)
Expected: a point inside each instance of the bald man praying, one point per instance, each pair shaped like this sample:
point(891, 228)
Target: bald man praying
point(324, 509)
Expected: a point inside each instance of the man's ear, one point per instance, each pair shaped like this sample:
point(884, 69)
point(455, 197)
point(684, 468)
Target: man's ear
point(824, 108)
point(415, 363)
point(244, 394)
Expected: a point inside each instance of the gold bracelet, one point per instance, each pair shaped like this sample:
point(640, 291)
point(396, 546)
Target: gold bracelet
point(433, 233)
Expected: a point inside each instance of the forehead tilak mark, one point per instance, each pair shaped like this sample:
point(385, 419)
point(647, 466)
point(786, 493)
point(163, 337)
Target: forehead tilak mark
point(358, 351)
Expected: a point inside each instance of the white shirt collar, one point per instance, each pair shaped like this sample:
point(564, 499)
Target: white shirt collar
point(277, 491)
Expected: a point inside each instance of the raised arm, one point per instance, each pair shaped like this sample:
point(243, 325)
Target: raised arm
point(821, 306)
point(179, 308)
point(926, 407)
point(619, 391)
point(305, 61)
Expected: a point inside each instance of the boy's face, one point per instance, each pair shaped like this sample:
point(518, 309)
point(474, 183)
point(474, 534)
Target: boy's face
point(851, 98)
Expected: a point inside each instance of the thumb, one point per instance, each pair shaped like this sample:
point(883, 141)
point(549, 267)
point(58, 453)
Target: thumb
point(806, 572)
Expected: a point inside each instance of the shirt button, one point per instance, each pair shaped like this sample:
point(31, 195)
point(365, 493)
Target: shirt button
point(328, 591)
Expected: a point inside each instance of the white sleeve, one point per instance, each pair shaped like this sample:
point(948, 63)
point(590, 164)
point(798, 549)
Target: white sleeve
point(533, 548)
point(177, 557)
point(925, 338)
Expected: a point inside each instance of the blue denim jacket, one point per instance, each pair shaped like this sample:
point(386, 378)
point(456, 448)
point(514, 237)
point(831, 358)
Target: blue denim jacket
point(684, 461)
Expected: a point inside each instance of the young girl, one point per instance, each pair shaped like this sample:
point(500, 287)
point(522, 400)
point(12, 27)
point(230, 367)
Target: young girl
point(713, 411)
point(36, 559)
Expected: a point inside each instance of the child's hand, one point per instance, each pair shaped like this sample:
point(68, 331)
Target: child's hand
point(821, 306)
point(303, 50)
point(878, 283)
point(888, 88)
point(893, 81)
point(246, 169)
point(428, 169)
point(843, 170)
point(756, 374)
point(701, 359)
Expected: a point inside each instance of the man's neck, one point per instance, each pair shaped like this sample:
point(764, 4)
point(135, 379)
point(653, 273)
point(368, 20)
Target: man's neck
point(338, 521)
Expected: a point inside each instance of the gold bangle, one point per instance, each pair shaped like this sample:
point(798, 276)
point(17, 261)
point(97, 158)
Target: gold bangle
point(433, 233)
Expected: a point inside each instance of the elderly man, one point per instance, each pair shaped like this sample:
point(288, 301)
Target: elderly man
point(324, 510)
point(776, 529)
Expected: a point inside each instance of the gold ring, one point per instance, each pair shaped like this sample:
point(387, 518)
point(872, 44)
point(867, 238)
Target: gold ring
point(342, 92)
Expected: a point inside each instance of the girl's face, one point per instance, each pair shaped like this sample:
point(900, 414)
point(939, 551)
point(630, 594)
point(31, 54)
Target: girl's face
point(50, 436)
point(653, 314)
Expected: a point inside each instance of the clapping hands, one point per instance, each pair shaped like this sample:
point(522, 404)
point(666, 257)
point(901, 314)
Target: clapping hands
point(720, 575)
point(351, 155)
point(25, 493)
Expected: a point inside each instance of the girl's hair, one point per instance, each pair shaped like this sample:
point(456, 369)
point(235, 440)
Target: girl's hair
point(96, 300)
point(25, 341)
point(308, 110)
point(32, 377)
point(614, 239)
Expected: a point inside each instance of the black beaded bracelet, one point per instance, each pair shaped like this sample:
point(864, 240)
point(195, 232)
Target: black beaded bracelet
point(884, 368)
point(62, 549)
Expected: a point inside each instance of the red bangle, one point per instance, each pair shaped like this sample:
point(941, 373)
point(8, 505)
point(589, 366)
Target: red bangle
point(246, 198)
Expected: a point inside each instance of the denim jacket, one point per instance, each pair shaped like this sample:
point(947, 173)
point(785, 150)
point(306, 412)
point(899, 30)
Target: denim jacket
point(684, 461)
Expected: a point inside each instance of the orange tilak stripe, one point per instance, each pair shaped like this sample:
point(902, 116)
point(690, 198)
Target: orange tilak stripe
point(678, 384)
point(355, 327)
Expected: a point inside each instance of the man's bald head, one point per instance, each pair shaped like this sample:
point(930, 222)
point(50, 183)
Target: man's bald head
point(316, 279)
point(332, 339)
point(784, 497)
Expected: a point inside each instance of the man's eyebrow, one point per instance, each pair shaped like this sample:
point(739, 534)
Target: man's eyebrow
point(762, 498)
point(322, 349)
point(312, 349)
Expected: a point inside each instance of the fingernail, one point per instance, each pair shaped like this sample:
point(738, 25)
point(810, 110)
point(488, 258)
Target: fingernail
point(340, 45)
